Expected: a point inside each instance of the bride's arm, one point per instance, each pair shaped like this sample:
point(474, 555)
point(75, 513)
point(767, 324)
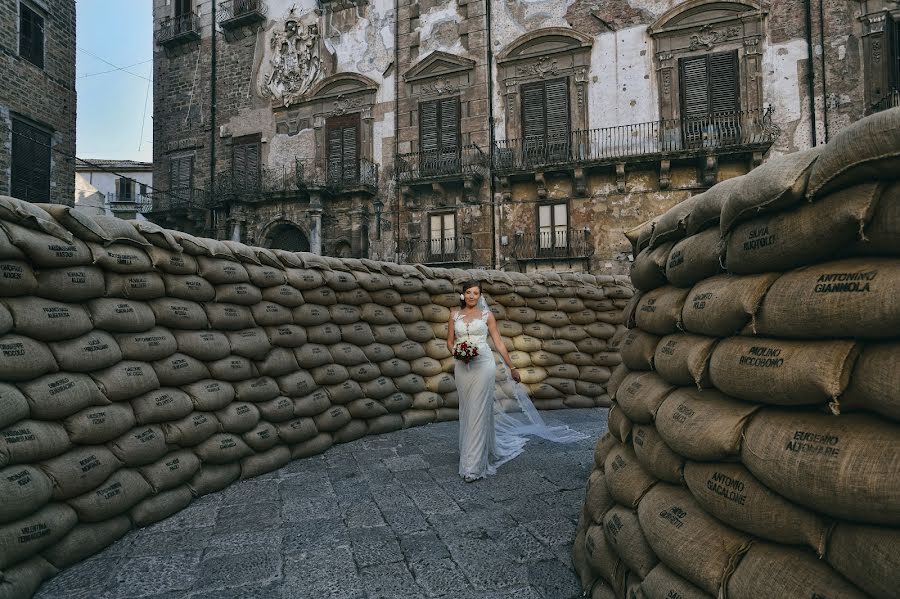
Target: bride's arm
point(451, 333)
point(501, 347)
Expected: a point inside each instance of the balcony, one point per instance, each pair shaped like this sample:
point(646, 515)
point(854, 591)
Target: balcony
point(562, 244)
point(888, 101)
point(438, 165)
point(181, 29)
point(177, 200)
point(734, 132)
point(233, 14)
point(358, 177)
point(126, 203)
point(269, 183)
point(447, 252)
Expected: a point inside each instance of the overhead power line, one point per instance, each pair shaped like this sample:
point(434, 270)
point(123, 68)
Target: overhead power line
point(116, 70)
point(115, 66)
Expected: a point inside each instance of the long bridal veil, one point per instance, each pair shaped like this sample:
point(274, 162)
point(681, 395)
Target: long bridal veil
point(516, 418)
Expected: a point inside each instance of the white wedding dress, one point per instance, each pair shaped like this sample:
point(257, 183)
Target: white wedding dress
point(495, 413)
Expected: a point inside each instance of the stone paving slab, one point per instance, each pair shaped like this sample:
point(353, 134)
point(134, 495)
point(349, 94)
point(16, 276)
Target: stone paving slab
point(383, 517)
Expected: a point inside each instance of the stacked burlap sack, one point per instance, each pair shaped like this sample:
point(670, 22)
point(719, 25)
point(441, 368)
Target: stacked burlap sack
point(753, 446)
point(141, 367)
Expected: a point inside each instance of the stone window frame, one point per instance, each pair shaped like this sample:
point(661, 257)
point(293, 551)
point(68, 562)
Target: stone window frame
point(41, 11)
point(441, 213)
point(551, 52)
point(553, 225)
point(742, 31)
point(874, 16)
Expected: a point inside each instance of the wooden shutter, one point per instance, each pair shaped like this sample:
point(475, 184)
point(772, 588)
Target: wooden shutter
point(31, 36)
point(892, 31)
point(182, 7)
point(343, 148)
point(335, 154)
point(694, 88)
point(449, 124)
point(429, 138)
point(723, 83)
point(534, 122)
point(245, 166)
point(557, 103)
point(180, 178)
point(30, 170)
point(350, 158)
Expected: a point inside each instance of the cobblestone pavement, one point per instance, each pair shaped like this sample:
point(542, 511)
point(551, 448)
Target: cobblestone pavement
point(384, 517)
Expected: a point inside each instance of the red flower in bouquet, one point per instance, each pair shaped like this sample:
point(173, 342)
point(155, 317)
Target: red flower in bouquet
point(464, 351)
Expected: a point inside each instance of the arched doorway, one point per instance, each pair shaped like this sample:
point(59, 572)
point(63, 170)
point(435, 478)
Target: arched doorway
point(285, 236)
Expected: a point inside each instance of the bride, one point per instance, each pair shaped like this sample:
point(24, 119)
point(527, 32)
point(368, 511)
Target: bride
point(495, 413)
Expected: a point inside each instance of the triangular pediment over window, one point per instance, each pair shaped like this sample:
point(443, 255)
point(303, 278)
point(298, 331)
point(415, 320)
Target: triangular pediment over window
point(341, 84)
point(701, 12)
point(544, 42)
point(438, 64)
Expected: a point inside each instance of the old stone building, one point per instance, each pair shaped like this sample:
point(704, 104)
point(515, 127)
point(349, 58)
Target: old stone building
point(521, 134)
point(37, 100)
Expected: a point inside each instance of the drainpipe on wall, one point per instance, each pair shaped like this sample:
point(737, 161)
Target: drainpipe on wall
point(212, 117)
point(396, 129)
point(810, 76)
point(490, 103)
point(824, 79)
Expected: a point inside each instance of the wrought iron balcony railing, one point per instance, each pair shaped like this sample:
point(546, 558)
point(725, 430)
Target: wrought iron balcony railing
point(338, 178)
point(671, 137)
point(234, 185)
point(119, 198)
point(445, 250)
point(176, 199)
point(889, 100)
point(179, 29)
point(561, 243)
point(238, 13)
point(447, 163)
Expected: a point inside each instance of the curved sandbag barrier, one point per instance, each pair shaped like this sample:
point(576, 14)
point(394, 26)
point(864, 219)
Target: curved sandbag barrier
point(141, 368)
point(754, 435)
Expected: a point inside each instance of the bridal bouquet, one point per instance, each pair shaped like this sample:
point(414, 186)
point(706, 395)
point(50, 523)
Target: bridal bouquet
point(464, 351)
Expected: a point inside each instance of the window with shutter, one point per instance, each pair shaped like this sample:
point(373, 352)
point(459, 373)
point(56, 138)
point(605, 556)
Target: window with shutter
point(545, 120)
point(439, 138)
point(125, 190)
point(30, 171)
point(181, 172)
point(31, 35)
point(894, 40)
point(710, 99)
point(246, 164)
point(553, 223)
point(342, 136)
point(443, 235)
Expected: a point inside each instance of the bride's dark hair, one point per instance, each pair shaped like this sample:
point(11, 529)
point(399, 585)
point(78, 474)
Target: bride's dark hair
point(466, 286)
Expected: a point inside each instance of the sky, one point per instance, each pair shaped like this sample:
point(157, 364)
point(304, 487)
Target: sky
point(111, 105)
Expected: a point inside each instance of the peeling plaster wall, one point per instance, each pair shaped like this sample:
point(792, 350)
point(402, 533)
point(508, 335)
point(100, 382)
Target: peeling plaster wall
point(622, 85)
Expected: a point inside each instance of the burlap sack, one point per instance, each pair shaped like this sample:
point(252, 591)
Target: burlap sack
point(637, 349)
point(662, 583)
point(244, 294)
point(312, 355)
point(220, 271)
point(47, 251)
point(640, 394)
point(206, 346)
point(25, 489)
point(29, 441)
point(615, 379)
point(330, 374)
point(355, 297)
point(353, 430)
point(387, 298)
point(24, 578)
point(775, 185)
point(159, 507)
point(283, 295)
point(149, 346)
point(279, 409)
point(238, 417)
point(659, 311)
point(593, 374)
point(24, 358)
point(141, 286)
point(384, 424)
point(56, 396)
point(325, 334)
point(162, 405)
point(222, 448)
point(626, 480)
point(264, 276)
point(310, 315)
point(769, 570)
point(270, 314)
point(228, 317)
point(296, 431)
point(867, 556)
point(261, 463)
point(297, 384)
point(640, 235)
point(304, 279)
point(191, 429)
point(47, 320)
point(623, 532)
point(332, 419)
point(687, 539)
point(376, 314)
point(875, 383)
point(648, 271)
point(703, 425)
point(724, 305)
point(672, 224)
point(172, 470)
point(619, 424)
point(179, 314)
point(250, 343)
point(13, 405)
point(602, 560)
point(233, 368)
point(256, 390)
point(597, 499)
point(345, 392)
point(843, 467)
point(314, 446)
point(879, 237)
point(6, 320)
point(397, 402)
point(139, 446)
point(847, 298)
point(84, 540)
point(420, 332)
point(287, 335)
point(278, 362)
point(62, 284)
point(696, 258)
point(366, 408)
point(780, 372)
point(604, 445)
point(211, 478)
point(683, 359)
point(176, 263)
point(864, 151)
point(730, 493)
point(23, 538)
point(115, 496)
point(521, 314)
point(600, 330)
point(810, 234)
point(126, 379)
point(179, 369)
point(655, 456)
point(92, 351)
point(99, 424)
point(418, 417)
point(365, 372)
point(120, 258)
point(73, 221)
point(193, 288)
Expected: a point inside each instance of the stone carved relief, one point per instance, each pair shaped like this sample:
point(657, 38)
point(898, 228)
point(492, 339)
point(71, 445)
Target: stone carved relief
point(439, 87)
point(708, 37)
point(299, 60)
point(540, 68)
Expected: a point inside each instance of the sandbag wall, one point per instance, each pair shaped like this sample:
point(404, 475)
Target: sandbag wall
point(141, 368)
point(754, 441)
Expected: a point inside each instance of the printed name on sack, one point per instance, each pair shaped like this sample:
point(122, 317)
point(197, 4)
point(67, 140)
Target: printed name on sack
point(845, 282)
point(762, 357)
point(700, 300)
point(682, 413)
point(674, 516)
point(758, 238)
point(21, 478)
point(12, 349)
point(56, 312)
point(805, 442)
point(33, 532)
point(727, 487)
point(11, 271)
point(60, 385)
point(676, 259)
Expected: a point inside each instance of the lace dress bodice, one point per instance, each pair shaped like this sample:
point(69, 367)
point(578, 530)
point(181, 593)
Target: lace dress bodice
point(474, 331)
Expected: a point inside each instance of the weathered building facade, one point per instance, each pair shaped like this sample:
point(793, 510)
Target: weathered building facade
point(37, 100)
point(521, 134)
